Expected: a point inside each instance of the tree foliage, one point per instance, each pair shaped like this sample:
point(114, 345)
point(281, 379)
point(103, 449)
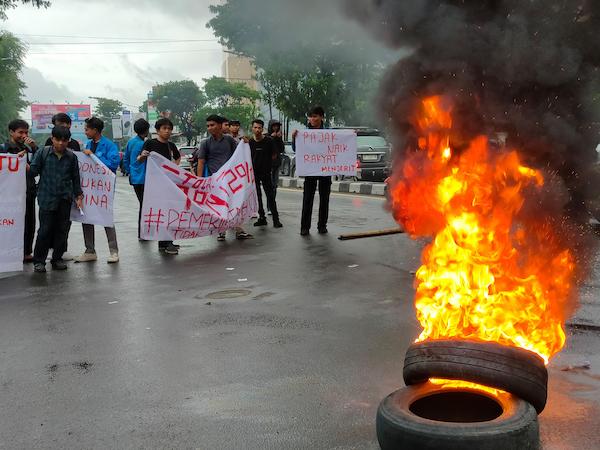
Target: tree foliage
point(7, 4)
point(304, 59)
point(229, 99)
point(182, 99)
point(107, 108)
point(11, 87)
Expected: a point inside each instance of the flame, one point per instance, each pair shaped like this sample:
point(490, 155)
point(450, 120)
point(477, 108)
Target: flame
point(445, 383)
point(493, 271)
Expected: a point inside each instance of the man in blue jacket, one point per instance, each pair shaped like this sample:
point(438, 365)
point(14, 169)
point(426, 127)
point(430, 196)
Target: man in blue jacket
point(107, 152)
point(135, 166)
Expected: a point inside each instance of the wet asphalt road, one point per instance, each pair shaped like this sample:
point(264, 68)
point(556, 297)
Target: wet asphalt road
point(278, 342)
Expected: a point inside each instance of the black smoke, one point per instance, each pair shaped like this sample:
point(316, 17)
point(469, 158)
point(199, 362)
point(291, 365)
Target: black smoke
point(528, 68)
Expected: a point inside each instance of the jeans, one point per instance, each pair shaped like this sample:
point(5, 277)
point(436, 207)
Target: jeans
point(139, 192)
point(265, 181)
point(308, 197)
point(89, 238)
point(275, 180)
point(53, 232)
point(29, 224)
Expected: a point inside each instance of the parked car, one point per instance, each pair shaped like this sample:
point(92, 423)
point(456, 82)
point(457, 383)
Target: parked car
point(373, 155)
point(186, 157)
point(288, 161)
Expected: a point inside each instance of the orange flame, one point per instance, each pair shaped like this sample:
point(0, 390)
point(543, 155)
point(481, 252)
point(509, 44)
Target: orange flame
point(446, 383)
point(493, 271)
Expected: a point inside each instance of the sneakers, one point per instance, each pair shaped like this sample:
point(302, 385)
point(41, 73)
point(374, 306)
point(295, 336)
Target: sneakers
point(243, 235)
point(169, 250)
point(323, 230)
point(58, 265)
point(269, 213)
point(304, 232)
point(113, 258)
point(277, 224)
point(261, 222)
point(221, 237)
point(87, 257)
point(39, 268)
point(67, 257)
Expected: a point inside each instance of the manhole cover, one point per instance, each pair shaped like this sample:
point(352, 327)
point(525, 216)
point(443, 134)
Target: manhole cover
point(228, 294)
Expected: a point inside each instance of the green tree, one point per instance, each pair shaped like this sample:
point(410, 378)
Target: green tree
point(182, 99)
point(229, 99)
point(107, 108)
point(301, 63)
point(7, 4)
point(11, 87)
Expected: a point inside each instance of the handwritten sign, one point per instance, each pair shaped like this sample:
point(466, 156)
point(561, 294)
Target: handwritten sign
point(12, 212)
point(326, 152)
point(179, 205)
point(98, 186)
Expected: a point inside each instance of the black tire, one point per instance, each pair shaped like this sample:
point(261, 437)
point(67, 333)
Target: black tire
point(511, 369)
point(399, 428)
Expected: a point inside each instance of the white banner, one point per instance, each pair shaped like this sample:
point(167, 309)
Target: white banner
point(98, 185)
point(12, 212)
point(180, 205)
point(325, 152)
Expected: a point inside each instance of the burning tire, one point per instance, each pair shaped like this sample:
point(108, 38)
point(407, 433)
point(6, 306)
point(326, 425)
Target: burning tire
point(427, 416)
point(511, 369)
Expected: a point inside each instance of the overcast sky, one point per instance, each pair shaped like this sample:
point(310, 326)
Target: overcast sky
point(126, 71)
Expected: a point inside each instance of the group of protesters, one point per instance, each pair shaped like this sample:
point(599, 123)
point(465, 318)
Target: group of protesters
point(59, 185)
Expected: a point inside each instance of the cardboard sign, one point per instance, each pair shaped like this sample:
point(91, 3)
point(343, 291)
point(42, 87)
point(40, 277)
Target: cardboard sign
point(98, 185)
point(325, 152)
point(179, 205)
point(12, 212)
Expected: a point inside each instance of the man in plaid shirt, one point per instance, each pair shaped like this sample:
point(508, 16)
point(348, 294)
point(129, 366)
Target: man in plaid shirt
point(59, 185)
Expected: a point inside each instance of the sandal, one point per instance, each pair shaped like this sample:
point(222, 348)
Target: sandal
point(243, 235)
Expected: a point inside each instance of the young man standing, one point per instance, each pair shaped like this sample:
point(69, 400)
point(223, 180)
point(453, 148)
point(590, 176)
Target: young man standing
point(315, 120)
point(21, 144)
point(58, 169)
point(263, 150)
point(226, 127)
point(234, 131)
point(274, 130)
point(162, 146)
point(107, 152)
point(64, 120)
point(215, 151)
point(135, 167)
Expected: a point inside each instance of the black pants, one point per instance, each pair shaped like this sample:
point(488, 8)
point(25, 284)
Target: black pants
point(53, 232)
point(29, 224)
point(139, 192)
point(310, 187)
point(267, 185)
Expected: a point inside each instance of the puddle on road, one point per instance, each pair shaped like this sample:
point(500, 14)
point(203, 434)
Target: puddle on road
point(228, 294)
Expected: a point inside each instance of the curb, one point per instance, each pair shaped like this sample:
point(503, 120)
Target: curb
point(364, 188)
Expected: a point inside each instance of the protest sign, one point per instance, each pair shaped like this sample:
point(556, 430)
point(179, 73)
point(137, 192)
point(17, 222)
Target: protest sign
point(325, 152)
point(98, 185)
point(180, 205)
point(12, 212)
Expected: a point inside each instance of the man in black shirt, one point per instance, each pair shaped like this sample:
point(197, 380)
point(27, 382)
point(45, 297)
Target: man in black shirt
point(64, 120)
point(21, 144)
point(263, 150)
point(315, 120)
point(166, 148)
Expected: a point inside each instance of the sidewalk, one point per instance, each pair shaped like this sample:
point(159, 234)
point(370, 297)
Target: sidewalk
point(357, 187)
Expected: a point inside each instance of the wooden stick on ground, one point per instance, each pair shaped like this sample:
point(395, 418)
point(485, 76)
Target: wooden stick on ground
point(368, 234)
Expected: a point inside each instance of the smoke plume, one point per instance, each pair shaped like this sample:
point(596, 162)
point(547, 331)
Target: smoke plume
point(526, 68)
